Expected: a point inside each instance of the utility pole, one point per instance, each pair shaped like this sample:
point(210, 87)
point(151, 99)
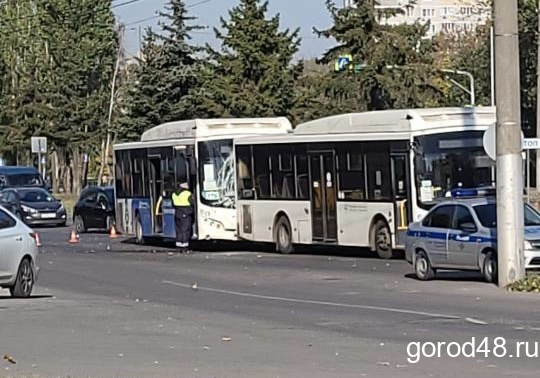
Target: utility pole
point(105, 158)
point(510, 227)
point(538, 104)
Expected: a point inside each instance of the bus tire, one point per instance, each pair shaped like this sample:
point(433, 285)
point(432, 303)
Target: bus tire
point(283, 236)
point(382, 240)
point(139, 237)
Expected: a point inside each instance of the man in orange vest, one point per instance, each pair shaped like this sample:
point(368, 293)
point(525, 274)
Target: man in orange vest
point(183, 204)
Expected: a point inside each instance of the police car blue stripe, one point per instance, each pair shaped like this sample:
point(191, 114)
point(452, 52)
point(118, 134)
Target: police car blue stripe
point(451, 236)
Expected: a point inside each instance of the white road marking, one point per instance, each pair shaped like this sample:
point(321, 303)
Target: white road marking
point(315, 302)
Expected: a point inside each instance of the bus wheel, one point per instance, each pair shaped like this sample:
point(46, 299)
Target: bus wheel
point(383, 241)
point(283, 236)
point(139, 238)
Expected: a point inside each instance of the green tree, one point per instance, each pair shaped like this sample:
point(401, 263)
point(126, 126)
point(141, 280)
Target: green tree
point(466, 52)
point(162, 83)
point(394, 61)
point(253, 75)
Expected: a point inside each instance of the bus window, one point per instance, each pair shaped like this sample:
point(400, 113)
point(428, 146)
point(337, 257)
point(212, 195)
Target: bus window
point(262, 172)
point(216, 167)
point(181, 168)
point(378, 170)
point(244, 172)
point(282, 176)
point(351, 176)
point(447, 161)
point(302, 177)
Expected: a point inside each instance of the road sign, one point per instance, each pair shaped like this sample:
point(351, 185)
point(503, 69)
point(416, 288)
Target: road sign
point(489, 142)
point(490, 137)
point(39, 145)
point(531, 143)
point(342, 62)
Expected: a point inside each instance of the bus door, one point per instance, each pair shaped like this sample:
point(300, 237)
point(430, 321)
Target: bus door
point(323, 196)
point(156, 189)
point(401, 193)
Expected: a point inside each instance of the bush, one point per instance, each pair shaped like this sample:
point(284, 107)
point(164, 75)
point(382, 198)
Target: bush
point(529, 284)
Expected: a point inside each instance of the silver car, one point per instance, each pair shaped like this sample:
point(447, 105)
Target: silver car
point(461, 234)
point(19, 250)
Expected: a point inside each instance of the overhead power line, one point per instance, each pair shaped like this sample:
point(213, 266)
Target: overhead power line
point(158, 16)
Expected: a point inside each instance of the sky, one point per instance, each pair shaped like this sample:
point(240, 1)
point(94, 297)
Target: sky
point(305, 14)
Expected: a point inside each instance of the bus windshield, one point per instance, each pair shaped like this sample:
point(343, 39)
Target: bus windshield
point(447, 161)
point(216, 173)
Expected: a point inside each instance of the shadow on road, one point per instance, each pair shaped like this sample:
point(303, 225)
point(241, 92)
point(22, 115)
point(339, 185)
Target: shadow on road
point(456, 276)
point(244, 246)
point(5, 297)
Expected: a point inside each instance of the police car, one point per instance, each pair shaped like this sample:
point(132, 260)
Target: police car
point(461, 233)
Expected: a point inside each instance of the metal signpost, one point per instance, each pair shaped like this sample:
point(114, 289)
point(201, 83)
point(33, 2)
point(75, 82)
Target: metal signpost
point(39, 146)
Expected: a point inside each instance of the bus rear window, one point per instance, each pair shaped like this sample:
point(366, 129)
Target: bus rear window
point(24, 179)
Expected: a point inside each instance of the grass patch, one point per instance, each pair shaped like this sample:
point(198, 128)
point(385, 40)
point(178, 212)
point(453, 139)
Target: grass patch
point(69, 201)
point(530, 284)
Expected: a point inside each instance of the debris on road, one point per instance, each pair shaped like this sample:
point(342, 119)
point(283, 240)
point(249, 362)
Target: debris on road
point(383, 363)
point(9, 358)
point(194, 286)
point(226, 339)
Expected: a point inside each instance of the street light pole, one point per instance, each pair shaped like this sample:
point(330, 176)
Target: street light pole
point(510, 210)
point(471, 82)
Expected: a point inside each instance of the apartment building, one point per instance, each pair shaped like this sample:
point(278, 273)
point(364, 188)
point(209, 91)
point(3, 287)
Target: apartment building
point(446, 16)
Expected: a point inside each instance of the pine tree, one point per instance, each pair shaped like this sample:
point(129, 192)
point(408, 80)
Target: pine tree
point(162, 83)
point(253, 75)
point(141, 104)
point(394, 61)
point(78, 82)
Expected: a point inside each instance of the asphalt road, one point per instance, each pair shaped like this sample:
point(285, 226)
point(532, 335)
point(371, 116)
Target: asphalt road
point(107, 308)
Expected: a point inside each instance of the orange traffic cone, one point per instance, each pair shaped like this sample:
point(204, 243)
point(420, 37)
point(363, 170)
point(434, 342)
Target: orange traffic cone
point(38, 240)
point(113, 234)
point(73, 238)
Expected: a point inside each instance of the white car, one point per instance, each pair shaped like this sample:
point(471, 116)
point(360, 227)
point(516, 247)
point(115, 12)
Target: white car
point(19, 250)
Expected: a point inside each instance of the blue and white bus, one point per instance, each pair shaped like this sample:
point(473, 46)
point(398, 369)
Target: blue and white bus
point(198, 151)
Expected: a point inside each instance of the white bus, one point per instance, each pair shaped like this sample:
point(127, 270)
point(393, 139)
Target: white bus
point(358, 179)
point(199, 151)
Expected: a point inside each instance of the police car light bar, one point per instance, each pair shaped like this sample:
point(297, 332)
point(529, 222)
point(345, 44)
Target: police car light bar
point(473, 192)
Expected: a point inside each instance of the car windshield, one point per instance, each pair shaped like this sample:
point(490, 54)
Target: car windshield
point(487, 214)
point(35, 196)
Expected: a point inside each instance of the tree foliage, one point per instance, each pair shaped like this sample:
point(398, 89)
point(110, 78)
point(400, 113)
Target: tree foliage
point(51, 88)
point(253, 75)
point(165, 76)
point(394, 61)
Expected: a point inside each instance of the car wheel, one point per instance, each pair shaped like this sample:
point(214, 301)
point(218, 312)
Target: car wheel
point(139, 237)
point(490, 267)
point(283, 236)
point(422, 267)
point(383, 241)
point(80, 227)
point(24, 282)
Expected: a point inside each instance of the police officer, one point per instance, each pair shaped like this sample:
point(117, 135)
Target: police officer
point(183, 204)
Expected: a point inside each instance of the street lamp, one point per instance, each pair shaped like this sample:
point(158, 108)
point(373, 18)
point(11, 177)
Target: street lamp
point(470, 91)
